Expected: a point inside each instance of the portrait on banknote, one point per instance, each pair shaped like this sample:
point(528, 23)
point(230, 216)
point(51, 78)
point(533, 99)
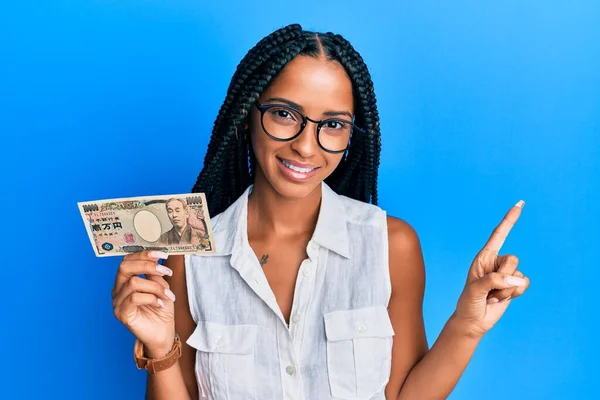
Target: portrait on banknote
point(174, 224)
point(187, 228)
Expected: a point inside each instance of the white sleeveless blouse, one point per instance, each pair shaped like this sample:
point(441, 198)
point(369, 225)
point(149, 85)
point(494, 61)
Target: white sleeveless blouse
point(338, 344)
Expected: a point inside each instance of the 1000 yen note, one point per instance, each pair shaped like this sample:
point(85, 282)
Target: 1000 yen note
point(174, 224)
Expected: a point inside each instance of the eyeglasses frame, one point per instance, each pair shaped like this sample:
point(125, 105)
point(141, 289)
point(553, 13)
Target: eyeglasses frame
point(265, 107)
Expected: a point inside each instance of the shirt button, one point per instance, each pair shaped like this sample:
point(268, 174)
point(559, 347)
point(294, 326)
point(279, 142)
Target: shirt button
point(361, 327)
point(306, 272)
point(314, 246)
point(217, 340)
point(296, 318)
point(290, 370)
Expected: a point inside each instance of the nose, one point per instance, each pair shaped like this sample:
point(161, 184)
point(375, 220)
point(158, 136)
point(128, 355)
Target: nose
point(306, 144)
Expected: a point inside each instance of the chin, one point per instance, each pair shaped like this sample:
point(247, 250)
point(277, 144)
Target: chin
point(290, 188)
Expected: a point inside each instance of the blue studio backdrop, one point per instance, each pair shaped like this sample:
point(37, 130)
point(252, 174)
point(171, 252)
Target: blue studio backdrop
point(482, 103)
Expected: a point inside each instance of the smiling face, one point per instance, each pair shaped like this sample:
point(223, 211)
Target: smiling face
point(319, 89)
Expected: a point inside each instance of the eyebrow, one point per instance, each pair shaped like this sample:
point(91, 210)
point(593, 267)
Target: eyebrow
point(329, 113)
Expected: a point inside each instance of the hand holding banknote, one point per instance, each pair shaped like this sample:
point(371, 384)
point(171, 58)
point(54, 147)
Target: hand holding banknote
point(145, 306)
point(145, 230)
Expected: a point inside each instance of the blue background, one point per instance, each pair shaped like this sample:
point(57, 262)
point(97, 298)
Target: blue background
point(482, 103)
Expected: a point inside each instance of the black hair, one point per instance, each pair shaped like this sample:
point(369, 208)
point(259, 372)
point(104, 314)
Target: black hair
point(229, 164)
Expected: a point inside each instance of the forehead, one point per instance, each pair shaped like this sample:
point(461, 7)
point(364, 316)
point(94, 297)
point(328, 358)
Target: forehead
point(174, 204)
point(317, 84)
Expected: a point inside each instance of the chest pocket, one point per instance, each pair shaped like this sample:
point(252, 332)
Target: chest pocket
point(359, 352)
point(225, 360)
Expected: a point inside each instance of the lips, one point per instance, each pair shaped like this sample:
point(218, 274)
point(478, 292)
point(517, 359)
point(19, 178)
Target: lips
point(298, 167)
point(296, 171)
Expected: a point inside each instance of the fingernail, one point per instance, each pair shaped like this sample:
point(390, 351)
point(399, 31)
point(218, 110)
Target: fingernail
point(493, 300)
point(170, 294)
point(158, 254)
point(161, 303)
point(520, 204)
point(164, 270)
point(515, 281)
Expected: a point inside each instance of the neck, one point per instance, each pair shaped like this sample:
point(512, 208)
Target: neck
point(269, 213)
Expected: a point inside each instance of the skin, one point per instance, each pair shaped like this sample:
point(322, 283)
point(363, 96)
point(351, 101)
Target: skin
point(281, 219)
point(281, 214)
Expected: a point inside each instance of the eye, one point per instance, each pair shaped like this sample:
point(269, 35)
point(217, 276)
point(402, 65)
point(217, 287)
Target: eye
point(337, 125)
point(282, 114)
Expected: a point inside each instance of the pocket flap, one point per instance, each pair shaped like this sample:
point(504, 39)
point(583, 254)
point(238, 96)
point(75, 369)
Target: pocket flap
point(357, 323)
point(229, 339)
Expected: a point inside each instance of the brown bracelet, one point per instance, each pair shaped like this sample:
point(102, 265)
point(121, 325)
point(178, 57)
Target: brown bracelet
point(154, 365)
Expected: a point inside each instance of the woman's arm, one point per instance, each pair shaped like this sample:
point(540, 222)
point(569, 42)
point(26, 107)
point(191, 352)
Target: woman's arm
point(419, 373)
point(179, 381)
point(493, 282)
point(407, 273)
point(438, 372)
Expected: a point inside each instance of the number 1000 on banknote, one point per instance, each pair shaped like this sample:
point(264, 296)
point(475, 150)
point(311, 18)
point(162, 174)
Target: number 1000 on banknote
point(174, 224)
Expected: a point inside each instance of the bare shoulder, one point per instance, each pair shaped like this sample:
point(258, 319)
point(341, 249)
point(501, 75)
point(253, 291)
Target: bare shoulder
point(401, 233)
point(406, 258)
point(407, 275)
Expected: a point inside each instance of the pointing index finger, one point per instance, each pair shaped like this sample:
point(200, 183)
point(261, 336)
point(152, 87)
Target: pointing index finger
point(496, 240)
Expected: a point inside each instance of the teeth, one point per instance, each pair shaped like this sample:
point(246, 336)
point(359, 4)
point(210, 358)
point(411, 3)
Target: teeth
point(295, 168)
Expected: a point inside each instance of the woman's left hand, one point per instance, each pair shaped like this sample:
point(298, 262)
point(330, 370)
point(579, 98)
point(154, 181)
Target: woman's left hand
point(492, 283)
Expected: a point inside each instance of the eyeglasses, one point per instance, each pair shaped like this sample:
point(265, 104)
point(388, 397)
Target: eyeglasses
point(283, 123)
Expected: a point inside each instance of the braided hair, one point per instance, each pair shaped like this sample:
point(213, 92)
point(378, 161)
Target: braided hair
point(229, 164)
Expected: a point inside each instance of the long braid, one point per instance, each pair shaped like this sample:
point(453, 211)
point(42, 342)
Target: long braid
point(224, 183)
point(245, 69)
point(229, 164)
point(248, 65)
point(363, 162)
point(270, 68)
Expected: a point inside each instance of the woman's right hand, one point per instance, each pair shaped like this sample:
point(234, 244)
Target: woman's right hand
point(145, 305)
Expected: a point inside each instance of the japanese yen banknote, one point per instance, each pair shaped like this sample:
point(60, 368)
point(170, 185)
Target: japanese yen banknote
point(174, 224)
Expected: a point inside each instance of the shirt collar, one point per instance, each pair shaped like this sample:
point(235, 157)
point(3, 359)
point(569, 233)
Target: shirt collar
point(332, 224)
point(331, 231)
point(231, 226)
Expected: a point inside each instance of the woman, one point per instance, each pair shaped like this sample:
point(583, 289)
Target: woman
point(314, 293)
